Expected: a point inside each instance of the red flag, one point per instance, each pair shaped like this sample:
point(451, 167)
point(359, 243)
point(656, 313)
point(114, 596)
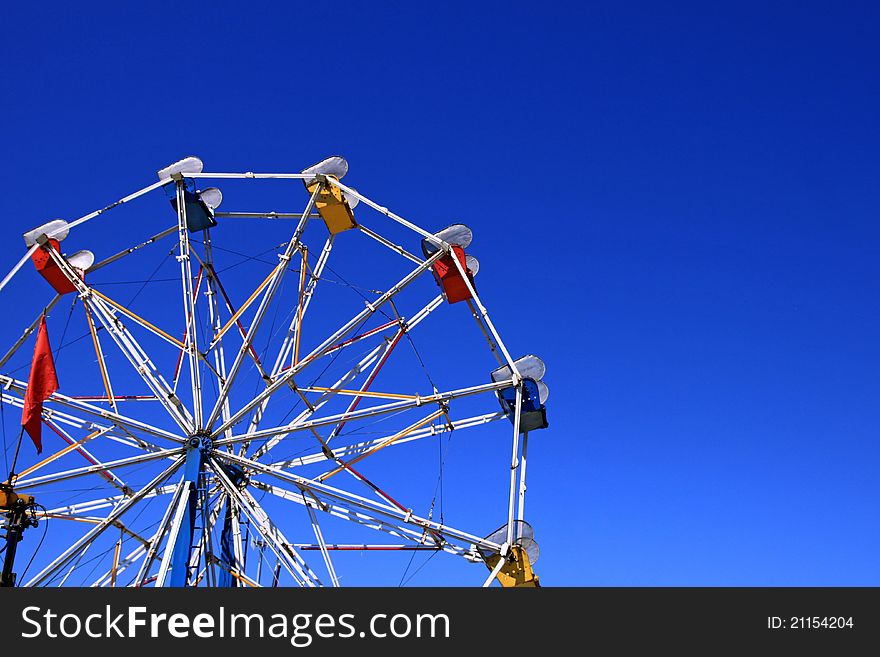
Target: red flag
point(42, 382)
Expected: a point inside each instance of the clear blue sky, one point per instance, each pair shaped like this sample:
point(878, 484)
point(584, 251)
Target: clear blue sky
point(675, 206)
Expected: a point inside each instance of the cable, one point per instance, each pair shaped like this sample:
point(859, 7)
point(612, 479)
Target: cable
point(420, 567)
point(59, 349)
point(96, 560)
point(55, 358)
point(243, 255)
point(3, 422)
point(151, 277)
point(40, 544)
point(406, 570)
point(387, 316)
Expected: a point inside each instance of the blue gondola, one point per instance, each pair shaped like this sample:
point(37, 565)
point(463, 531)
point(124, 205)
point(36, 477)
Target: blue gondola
point(533, 414)
point(199, 215)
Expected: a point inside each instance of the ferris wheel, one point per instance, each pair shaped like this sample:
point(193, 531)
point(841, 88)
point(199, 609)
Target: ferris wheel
point(313, 395)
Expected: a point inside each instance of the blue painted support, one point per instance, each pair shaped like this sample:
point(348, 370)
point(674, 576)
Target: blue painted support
point(227, 552)
point(196, 448)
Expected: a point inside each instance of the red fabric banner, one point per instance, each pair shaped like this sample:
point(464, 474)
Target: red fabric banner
point(43, 381)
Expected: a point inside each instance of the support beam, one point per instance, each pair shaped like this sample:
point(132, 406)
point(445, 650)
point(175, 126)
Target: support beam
point(129, 251)
point(520, 514)
point(514, 464)
point(156, 540)
point(315, 407)
point(495, 571)
point(20, 387)
point(26, 484)
point(57, 455)
point(180, 542)
point(344, 451)
point(268, 530)
point(294, 330)
point(325, 492)
point(319, 536)
point(413, 534)
point(372, 411)
point(127, 344)
point(189, 306)
point(105, 376)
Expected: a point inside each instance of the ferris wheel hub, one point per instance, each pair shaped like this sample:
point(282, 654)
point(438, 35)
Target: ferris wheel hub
point(201, 442)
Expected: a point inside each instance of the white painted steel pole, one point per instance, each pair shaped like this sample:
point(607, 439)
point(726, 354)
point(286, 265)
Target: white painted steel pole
point(156, 541)
point(383, 210)
point(514, 464)
point(214, 316)
point(179, 513)
point(495, 571)
point(485, 316)
point(318, 488)
point(55, 477)
point(367, 412)
point(522, 477)
point(189, 305)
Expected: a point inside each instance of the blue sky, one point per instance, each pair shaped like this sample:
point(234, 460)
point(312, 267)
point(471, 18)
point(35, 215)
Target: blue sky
point(674, 206)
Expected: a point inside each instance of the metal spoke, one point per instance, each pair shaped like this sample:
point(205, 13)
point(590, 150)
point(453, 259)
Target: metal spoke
point(79, 405)
point(267, 529)
point(323, 491)
point(355, 449)
point(359, 516)
point(26, 484)
point(372, 411)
